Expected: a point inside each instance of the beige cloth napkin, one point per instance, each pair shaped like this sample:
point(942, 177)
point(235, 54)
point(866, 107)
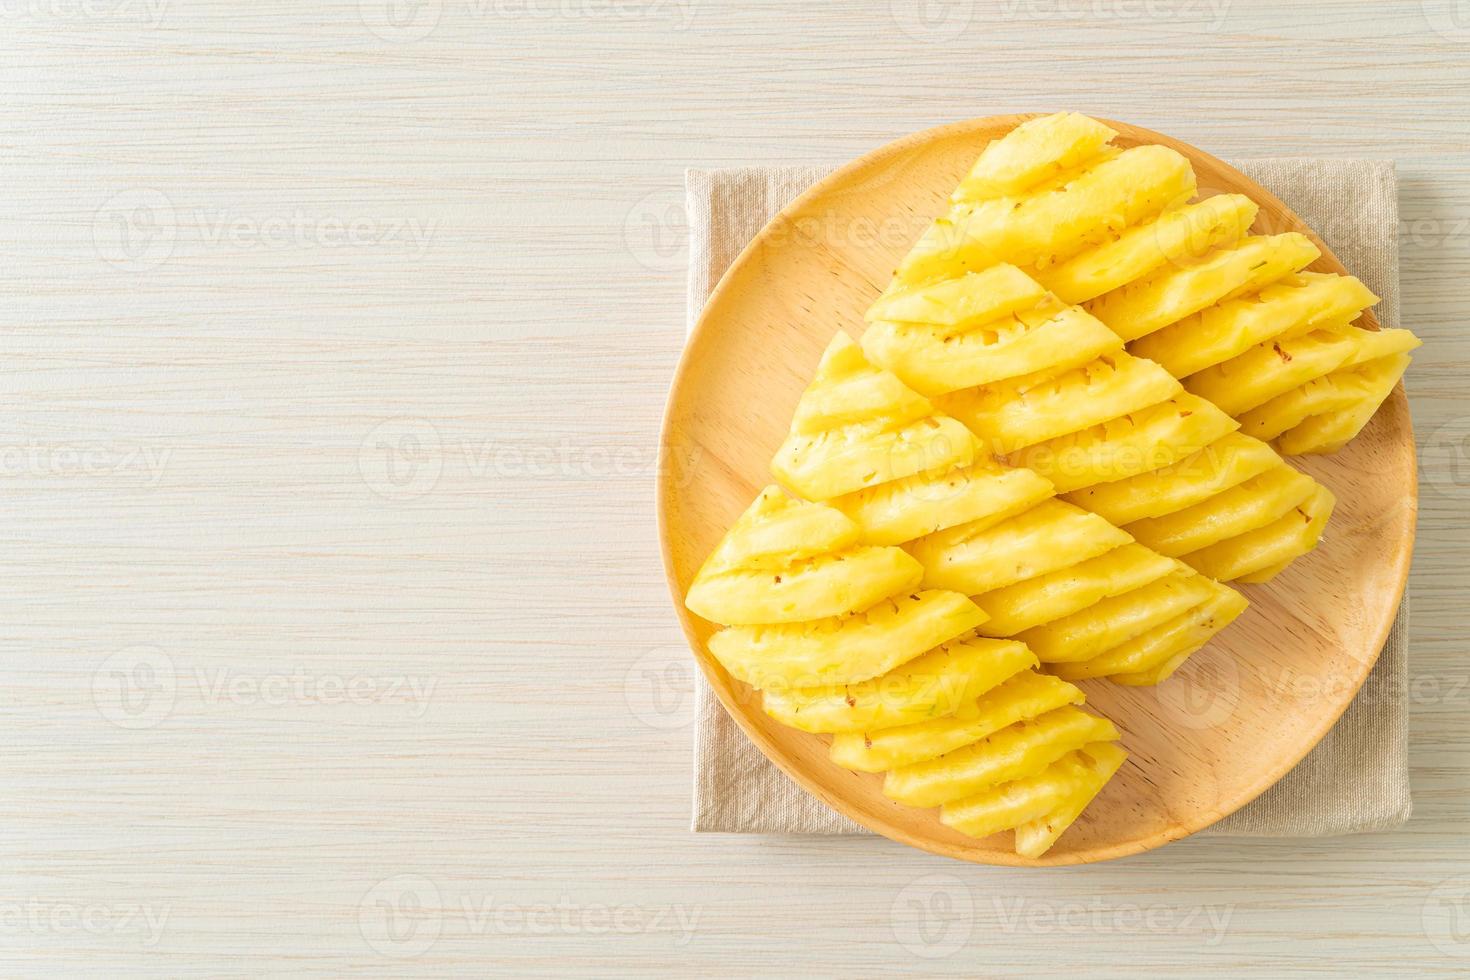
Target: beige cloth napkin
point(1355, 780)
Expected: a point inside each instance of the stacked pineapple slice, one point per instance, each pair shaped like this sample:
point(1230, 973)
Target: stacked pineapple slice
point(1052, 387)
point(842, 639)
point(1078, 590)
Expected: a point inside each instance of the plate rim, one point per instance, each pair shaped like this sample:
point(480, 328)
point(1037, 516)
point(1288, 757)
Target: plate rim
point(665, 487)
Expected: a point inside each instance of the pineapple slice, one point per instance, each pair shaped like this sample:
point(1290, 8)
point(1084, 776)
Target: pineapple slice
point(1121, 448)
point(1026, 695)
point(1178, 291)
point(1264, 575)
point(1267, 547)
point(1035, 837)
point(962, 304)
point(1021, 750)
point(1127, 188)
point(813, 588)
point(900, 511)
point(1173, 238)
point(1034, 151)
point(931, 686)
point(1329, 432)
point(1069, 590)
point(844, 649)
point(1294, 305)
point(1169, 642)
point(1012, 804)
point(1116, 620)
point(1019, 412)
point(1223, 464)
point(1272, 368)
point(786, 561)
point(1347, 386)
point(935, 359)
point(1049, 536)
point(858, 426)
point(1252, 504)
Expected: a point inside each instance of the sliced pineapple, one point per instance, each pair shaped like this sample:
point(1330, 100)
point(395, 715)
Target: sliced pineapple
point(964, 303)
point(1225, 463)
point(1034, 151)
point(1127, 188)
point(844, 649)
point(1012, 804)
point(1180, 290)
point(899, 511)
point(1170, 641)
point(1330, 431)
point(1173, 238)
point(1021, 750)
point(1019, 412)
point(935, 359)
point(1272, 368)
point(1293, 305)
point(931, 686)
point(1025, 695)
point(1069, 590)
point(1047, 537)
point(1245, 507)
point(1282, 540)
point(1116, 620)
point(828, 585)
point(1035, 837)
point(1125, 447)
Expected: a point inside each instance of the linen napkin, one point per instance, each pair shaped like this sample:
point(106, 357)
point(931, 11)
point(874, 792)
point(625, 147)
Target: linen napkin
point(1355, 780)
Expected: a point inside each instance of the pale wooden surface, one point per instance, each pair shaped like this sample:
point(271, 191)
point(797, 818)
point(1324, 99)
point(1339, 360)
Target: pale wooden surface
point(514, 292)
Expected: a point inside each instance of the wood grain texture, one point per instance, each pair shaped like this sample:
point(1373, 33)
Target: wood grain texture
point(507, 555)
point(1275, 680)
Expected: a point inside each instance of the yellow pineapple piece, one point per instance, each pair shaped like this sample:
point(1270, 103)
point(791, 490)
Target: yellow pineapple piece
point(931, 686)
point(1021, 750)
point(963, 303)
point(1345, 387)
point(1034, 151)
point(1126, 188)
point(1025, 695)
point(844, 649)
point(1225, 463)
point(935, 359)
point(1252, 504)
point(1121, 448)
point(896, 512)
point(1264, 575)
point(1035, 837)
point(1011, 804)
point(858, 426)
point(1170, 641)
point(1272, 368)
point(750, 579)
point(1050, 536)
point(1172, 238)
point(1180, 290)
point(1329, 432)
point(1019, 412)
point(1086, 634)
point(1068, 590)
point(1283, 540)
point(1293, 305)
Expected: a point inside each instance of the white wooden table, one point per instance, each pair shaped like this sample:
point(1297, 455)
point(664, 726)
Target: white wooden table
point(335, 340)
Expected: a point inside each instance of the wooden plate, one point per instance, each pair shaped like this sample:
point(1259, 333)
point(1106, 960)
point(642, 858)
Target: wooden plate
point(1234, 719)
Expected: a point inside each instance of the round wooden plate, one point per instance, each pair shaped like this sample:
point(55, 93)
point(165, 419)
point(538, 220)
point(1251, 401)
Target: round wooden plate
point(1230, 723)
